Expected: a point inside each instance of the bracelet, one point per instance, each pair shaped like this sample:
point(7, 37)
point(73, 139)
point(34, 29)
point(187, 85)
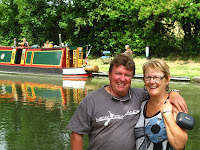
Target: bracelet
point(166, 111)
point(175, 90)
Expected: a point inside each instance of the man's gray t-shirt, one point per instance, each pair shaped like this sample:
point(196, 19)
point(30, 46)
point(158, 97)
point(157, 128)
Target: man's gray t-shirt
point(109, 122)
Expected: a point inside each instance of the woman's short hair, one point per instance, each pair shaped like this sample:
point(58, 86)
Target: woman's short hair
point(125, 60)
point(157, 64)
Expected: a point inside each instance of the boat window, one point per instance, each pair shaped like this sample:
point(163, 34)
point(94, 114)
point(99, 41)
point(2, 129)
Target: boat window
point(74, 61)
point(74, 53)
point(79, 55)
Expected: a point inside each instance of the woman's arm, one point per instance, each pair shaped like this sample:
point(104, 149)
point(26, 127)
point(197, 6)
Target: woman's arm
point(76, 141)
point(177, 136)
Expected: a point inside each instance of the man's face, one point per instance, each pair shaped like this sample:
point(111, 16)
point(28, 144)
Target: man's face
point(120, 80)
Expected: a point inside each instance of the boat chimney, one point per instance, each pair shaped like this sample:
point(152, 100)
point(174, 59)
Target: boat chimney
point(60, 40)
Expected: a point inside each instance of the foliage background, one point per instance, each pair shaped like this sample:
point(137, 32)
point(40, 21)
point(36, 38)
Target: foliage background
point(171, 28)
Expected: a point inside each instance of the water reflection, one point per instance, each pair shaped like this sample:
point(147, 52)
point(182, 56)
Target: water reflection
point(48, 95)
point(34, 111)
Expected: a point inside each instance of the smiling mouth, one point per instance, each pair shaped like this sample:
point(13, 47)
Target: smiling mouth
point(152, 87)
point(121, 84)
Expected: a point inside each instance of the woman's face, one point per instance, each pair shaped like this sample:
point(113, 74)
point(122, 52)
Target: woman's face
point(155, 82)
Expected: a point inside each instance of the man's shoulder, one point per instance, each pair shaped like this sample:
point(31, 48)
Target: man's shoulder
point(138, 91)
point(98, 91)
point(95, 94)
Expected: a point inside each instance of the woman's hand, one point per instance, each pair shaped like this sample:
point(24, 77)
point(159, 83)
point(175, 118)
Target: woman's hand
point(167, 107)
point(176, 135)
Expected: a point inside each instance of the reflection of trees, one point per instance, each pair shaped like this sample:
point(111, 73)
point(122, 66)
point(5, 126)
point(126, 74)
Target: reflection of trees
point(34, 128)
point(26, 127)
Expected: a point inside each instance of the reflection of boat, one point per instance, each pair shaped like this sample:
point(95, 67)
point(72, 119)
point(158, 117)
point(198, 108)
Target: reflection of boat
point(49, 95)
point(73, 84)
point(66, 62)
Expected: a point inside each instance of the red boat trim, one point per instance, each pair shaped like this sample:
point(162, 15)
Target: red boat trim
point(78, 76)
point(76, 79)
point(38, 66)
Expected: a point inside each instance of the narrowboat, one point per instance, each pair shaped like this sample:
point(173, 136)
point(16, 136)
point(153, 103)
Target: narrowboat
point(65, 62)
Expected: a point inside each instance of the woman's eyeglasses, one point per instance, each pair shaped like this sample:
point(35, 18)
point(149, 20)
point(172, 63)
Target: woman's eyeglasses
point(155, 78)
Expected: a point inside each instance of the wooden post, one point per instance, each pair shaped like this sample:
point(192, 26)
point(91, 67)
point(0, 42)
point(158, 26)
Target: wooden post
point(60, 40)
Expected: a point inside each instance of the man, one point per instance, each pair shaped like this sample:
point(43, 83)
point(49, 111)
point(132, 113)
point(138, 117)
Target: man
point(109, 114)
point(25, 42)
point(128, 51)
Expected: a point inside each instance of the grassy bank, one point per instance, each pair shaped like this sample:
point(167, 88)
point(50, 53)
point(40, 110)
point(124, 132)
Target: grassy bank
point(178, 68)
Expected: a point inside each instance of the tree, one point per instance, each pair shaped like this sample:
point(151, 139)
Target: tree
point(8, 22)
point(108, 25)
point(39, 20)
point(170, 27)
point(162, 21)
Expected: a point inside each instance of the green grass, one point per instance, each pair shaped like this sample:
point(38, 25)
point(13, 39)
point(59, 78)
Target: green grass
point(178, 68)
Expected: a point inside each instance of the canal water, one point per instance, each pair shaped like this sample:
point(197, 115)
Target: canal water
point(34, 111)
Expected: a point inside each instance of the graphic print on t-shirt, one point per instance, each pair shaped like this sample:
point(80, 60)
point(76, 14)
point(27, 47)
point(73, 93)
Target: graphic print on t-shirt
point(113, 116)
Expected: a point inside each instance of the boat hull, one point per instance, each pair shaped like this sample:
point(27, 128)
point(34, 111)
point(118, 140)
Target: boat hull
point(75, 73)
point(29, 70)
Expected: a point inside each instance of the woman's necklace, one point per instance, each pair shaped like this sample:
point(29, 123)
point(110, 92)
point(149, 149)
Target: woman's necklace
point(152, 111)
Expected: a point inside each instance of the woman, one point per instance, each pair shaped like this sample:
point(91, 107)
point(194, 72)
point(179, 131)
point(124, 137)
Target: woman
point(156, 128)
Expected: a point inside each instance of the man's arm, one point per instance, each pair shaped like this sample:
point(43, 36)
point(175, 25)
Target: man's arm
point(178, 101)
point(76, 141)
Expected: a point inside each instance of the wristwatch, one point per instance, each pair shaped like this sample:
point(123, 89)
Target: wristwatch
point(175, 90)
point(166, 111)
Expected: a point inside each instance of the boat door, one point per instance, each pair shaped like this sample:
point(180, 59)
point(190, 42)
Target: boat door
point(23, 57)
point(74, 58)
point(67, 57)
point(80, 56)
point(18, 56)
point(12, 61)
